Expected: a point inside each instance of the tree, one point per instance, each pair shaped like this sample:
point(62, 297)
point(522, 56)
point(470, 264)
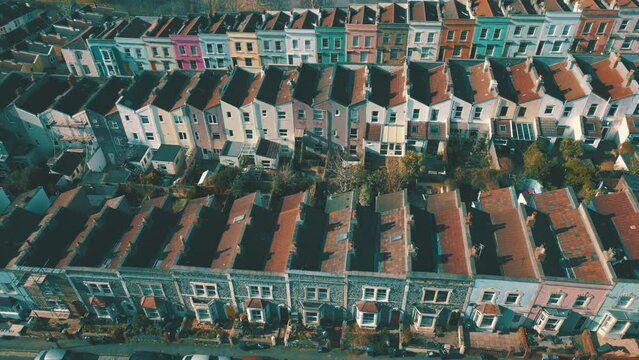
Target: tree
point(344, 177)
point(537, 164)
point(238, 186)
point(627, 148)
point(633, 168)
point(571, 149)
point(579, 174)
point(224, 177)
point(396, 176)
point(413, 165)
point(28, 178)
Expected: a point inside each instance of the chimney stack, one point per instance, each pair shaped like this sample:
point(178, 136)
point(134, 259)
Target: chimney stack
point(629, 76)
point(531, 220)
point(540, 253)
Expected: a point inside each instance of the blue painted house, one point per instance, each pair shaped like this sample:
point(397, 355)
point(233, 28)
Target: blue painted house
point(131, 46)
point(331, 36)
point(272, 38)
point(105, 51)
point(490, 34)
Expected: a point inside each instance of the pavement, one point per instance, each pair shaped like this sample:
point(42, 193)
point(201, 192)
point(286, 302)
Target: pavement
point(27, 348)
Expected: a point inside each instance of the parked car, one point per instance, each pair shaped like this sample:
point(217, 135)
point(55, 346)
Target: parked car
point(98, 340)
point(205, 357)
point(62, 354)
point(152, 355)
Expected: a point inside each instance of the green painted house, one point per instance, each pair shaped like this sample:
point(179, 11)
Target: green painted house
point(331, 36)
point(491, 29)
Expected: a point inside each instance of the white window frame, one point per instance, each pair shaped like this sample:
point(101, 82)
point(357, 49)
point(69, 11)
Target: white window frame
point(260, 291)
point(208, 290)
point(436, 295)
point(484, 292)
point(252, 312)
point(312, 313)
point(420, 316)
point(313, 293)
point(376, 293)
point(152, 313)
point(96, 288)
point(562, 296)
point(478, 319)
point(586, 301)
point(516, 302)
point(151, 289)
point(630, 301)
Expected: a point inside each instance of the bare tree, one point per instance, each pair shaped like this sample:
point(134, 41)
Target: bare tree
point(343, 177)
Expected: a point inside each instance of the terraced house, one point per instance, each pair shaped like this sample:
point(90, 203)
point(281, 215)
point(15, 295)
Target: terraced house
point(361, 34)
point(159, 47)
point(331, 36)
point(215, 43)
point(272, 38)
point(458, 30)
point(130, 44)
point(424, 30)
point(492, 27)
point(392, 34)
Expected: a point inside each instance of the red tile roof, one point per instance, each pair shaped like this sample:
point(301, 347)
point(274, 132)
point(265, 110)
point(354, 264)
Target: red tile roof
point(254, 304)
point(571, 232)
point(230, 242)
point(524, 82)
point(512, 242)
point(480, 81)
point(188, 220)
point(373, 132)
point(137, 223)
point(149, 302)
point(450, 228)
point(338, 238)
point(417, 130)
point(393, 237)
point(367, 306)
point(489, 309)
point(622, 207)
point(284, 237)
point(633, 123)
point(612, 79)
point(567, 81)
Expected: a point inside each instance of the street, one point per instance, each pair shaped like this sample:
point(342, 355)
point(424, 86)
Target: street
point(27, 348)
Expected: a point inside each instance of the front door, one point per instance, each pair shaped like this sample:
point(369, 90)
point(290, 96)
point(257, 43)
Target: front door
point(395, 315)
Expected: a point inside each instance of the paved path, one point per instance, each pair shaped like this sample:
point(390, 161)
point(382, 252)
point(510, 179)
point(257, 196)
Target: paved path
point(26, 348)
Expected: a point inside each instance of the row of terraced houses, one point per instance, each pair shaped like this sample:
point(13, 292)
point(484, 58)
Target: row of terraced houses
point(388, 33)
point(264, 114)
point(543, 261)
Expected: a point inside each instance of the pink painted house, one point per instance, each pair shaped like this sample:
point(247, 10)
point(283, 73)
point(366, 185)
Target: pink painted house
point(186, 44)
point(576, 279)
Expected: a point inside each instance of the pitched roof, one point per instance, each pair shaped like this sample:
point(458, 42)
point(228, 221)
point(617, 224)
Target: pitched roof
point(348, 84)
point(284, 239)
point(195, 25)
point(42, 94)
point(248, 23)
point(387, 85)
point(449, 229)
point(560, 81)
point(313, 83)
point(11, 85)
point(514, 81)
point(103, 101)
point(140, 91)
point(166, 27)
point(242, 87)
point(134, 29)
point(306, 20)
point(618, 229)
point(606, 80)
point(365, 15)
point(222, 24)
point(572, 235)
point(512, 255)
point(277, 21)
point(73, 100)
point(471, 80)
point(337, 242)
point(277, 85)
point(193, 216)
point(487, 8)
point(392, 14)
point(333, 18)
point(230, 243)
point(454, 10)
point(428, 82)
point(422, 11)
point(267, 148)
point(175, 87)
point(206, 92)
point(523, 7)
point(394, 212)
